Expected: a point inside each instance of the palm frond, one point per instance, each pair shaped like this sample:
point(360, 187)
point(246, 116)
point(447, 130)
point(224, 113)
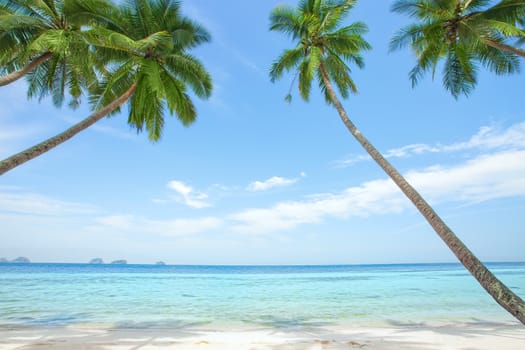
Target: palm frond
point(510, 11)
point(424, 9)
point(315, 25)
point(289, 60)
point(460, 72)
point(285, 19)
point(307, 71)
point(190, 70)
point(406, 36)
point(460, 33)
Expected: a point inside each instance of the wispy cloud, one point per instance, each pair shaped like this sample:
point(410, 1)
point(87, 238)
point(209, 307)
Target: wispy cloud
point(36, 204)
point(12, 136)
point(171, 228)
point(102, 128)
point(220, 39)
point(274, 181)
point(486, 177)
point(487, 138)
point(186, 195)
point(13, 100)
point(16, 127)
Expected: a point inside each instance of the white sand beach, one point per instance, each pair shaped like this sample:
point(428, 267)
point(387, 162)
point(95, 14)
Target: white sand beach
point(472, 336)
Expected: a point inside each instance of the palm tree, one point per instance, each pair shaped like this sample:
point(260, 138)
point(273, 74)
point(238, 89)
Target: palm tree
point(322, 50)
point(463, 33)
point(145, 48)
point(43, 40)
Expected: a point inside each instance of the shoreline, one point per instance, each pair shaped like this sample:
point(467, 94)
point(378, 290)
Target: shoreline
point(475, 335)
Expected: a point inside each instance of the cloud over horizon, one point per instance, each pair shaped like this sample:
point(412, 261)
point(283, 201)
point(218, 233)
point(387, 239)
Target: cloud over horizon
point(487, 138)
point(171, 228)
point(484, 177)
point(274, 181)
point(187, 196)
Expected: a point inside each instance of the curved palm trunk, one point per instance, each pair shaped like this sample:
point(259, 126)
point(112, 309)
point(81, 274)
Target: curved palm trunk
point(33, 152)
point(14, 76)
point(504, 47)
point(503, 295)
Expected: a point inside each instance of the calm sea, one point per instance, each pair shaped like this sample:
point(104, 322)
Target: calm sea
point(137, 296)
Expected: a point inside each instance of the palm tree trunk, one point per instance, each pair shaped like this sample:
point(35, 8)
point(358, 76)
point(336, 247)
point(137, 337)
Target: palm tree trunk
point(14, 76)
point(504, 47)
point(35, 151)
point(501, 293)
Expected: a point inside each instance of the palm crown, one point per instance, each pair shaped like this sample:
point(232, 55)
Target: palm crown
point(50, 31)
point(323, 45)
point(146, 47)
point(463, 33)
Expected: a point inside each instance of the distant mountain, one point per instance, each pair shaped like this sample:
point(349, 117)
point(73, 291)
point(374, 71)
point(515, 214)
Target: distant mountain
point(3, 260)
point(160, 263)
point(119, 262)
point(96, 261)
point(21, 259)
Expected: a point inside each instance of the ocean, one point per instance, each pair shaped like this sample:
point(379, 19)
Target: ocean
point(156, 296)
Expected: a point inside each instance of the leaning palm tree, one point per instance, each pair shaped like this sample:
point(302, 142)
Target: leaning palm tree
point(464, 34)
point(145, 48)
point(322, 51)
point(43, 40)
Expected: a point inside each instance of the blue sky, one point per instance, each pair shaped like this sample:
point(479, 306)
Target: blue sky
point(258, 181)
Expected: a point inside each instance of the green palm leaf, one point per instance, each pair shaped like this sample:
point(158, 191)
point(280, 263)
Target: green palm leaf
point(463, 34)
point(153, 39)
point(322, 43)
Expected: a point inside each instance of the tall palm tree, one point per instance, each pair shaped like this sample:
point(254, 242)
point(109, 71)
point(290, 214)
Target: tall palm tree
point(43, 40)
point(145, 48)
point(322, 50)
point(463, 33)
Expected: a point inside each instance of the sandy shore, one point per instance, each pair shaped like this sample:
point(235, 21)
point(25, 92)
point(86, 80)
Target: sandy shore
point(475, 336)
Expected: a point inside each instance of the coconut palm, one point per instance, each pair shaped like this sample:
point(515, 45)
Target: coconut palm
point(145, 48)
point(43, 40)
point(324, 46)
point(464, 34)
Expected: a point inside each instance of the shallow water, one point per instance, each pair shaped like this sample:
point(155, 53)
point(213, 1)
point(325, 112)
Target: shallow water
point(129, 296)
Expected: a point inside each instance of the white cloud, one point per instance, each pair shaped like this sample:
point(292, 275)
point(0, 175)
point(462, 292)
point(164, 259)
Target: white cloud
point(101, 127)
point(483, 178)
point(491, 137)
point(275, 181)
point(486, 177)
point(487, 138)
point(188, 196)
point(13, 99)
point(415, 149)
point(172, 228)
point(220, 39)
point(352, 160)
point(117, 222)
point(17, 128)
point(36, 204)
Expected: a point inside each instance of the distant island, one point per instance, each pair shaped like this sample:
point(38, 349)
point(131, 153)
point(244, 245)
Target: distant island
point(20, 259)
point(119, 262)
point(96, 261)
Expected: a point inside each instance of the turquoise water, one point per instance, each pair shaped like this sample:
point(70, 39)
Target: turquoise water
point(129, 296)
